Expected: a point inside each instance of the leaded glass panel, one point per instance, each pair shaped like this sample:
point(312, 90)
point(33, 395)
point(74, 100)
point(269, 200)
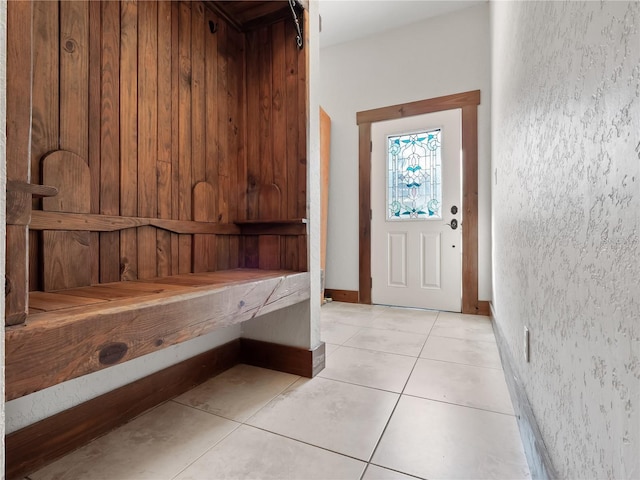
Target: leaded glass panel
point(414, 176)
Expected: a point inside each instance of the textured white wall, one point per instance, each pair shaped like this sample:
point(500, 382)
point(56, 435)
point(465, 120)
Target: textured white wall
point(3, 180)
point(440, 56)
point(566, 223)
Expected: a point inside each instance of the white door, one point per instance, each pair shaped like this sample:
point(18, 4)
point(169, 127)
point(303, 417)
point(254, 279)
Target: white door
point(416, 218)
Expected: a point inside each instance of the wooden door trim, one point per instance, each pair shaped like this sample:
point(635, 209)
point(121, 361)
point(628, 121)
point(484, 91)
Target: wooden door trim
point(468, 102)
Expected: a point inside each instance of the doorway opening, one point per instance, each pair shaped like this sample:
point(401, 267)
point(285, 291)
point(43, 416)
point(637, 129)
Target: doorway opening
point(468, 102)
point(416, 239)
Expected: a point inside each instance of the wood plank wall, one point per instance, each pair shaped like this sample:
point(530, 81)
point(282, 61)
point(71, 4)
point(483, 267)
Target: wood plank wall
point(276, 138)
point(19, 100)
point(158, 97)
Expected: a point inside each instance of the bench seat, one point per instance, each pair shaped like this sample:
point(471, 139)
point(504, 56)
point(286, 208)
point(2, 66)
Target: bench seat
point(70, 333)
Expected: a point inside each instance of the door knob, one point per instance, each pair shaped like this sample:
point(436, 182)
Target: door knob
point(453, 224)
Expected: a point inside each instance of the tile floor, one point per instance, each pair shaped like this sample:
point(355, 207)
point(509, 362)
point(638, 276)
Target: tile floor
point(405, 393)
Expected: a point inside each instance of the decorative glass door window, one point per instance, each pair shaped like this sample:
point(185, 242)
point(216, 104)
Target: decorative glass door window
point(414, 176)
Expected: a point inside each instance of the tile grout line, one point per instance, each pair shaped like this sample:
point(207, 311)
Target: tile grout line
point(354, 334)
point(239, 423)
point(306, 443)
point(428, 335)
point(463, 364)
point(398, 401)
point(459, 405)
point(198, 409)
point(206, 451)
point(366, 462)
point(458, 338)
point(359, 385)
point(360, 328)
point(338, 322)
point(456, 363)
point(244, 422)
point(379, 351)
point(369, 462)
point(394, 470)
point(375, 448)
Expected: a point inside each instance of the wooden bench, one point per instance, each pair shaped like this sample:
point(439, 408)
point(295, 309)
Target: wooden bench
point(73, 332)
point(204, 171)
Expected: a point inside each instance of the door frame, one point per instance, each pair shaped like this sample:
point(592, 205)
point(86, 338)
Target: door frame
point(468, 102)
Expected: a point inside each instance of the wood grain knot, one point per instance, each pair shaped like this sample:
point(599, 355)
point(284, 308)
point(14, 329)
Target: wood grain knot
point(113, 353)
point(70, 46)
point(159, 342)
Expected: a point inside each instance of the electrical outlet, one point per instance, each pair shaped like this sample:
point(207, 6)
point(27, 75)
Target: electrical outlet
point(526, 344)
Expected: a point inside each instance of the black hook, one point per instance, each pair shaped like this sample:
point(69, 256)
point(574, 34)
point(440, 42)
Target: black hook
point(299, 40)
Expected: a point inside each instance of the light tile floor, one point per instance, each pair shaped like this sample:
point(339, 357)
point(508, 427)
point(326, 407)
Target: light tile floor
point(405, 393)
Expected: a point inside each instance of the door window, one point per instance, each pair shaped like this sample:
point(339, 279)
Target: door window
point(414, 176)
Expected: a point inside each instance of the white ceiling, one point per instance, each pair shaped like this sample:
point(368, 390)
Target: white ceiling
point(345, 20)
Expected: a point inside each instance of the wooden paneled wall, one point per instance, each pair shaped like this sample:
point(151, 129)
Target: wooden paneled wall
point(276, 138)
point(177, 115)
